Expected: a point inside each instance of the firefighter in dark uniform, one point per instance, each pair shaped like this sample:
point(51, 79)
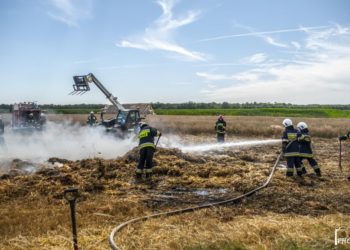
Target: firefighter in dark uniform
point(31, 120)
point(42, 119)
point(2, 130)
point(147, 149)
point(290, 148)
point(92, 120)
point(343, 138)
point(220, 128)
point(2, 126)
point(305, 149)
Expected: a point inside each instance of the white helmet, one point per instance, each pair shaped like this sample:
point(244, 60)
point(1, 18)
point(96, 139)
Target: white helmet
point(142, 124)
point(92, 112)
point(287, 122)
point(302, 125)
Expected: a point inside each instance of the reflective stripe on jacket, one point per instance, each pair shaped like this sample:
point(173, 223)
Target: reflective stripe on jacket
point(146, 137)
point(305, 144)
point(220, 127)
point(290, 144)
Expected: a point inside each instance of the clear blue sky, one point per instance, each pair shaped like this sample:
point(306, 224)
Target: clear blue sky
point(294, 51)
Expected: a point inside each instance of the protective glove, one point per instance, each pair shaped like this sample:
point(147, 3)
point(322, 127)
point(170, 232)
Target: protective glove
point(283, 158)
point(342, 138)
point(284, 148)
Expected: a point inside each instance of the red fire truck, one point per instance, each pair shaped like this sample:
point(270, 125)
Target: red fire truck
point(27, 116)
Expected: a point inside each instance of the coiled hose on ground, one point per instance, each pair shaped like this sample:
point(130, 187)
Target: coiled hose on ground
point(115, 230)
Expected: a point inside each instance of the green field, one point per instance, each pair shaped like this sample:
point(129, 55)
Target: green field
point(292, 112)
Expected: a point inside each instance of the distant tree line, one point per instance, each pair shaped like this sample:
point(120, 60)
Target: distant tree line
point(187, 105)
point(247, 105)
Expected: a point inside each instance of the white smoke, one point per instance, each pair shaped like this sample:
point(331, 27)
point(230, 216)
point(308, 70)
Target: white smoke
point(75, 142)
point(63, 140)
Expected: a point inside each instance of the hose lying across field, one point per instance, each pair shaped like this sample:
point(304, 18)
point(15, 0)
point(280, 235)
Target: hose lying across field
point(114, 246)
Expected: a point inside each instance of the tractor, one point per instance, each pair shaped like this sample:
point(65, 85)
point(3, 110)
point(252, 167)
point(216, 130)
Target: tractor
point(126, 120)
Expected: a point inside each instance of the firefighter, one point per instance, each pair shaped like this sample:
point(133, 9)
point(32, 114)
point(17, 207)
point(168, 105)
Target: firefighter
point(290, 148)
point(147, 149)
point(305, 149)
point(91, 120)
point(344, 137)
point(2, 126)
point(30, 120)
point(2, 130)
point(42, 120)
point(220, 128)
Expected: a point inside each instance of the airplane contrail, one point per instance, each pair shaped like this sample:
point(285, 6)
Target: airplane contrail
point(263, 33)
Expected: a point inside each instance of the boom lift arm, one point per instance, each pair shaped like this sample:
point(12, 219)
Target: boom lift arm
point(81, 86)
point(127, 120)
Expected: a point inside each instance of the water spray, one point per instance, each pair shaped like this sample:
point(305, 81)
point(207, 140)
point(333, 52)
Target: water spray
point(220, 146)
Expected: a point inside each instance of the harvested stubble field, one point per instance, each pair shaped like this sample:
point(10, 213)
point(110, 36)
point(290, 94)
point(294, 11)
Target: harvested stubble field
point(288, 214)
point(256, 126)
point(251, 126)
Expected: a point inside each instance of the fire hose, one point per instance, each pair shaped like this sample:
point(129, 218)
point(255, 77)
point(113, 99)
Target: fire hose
point(340, 159)
point(117, 229)
point(158, 140)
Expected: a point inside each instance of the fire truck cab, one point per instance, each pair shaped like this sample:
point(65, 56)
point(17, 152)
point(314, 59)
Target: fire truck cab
point(27, 116)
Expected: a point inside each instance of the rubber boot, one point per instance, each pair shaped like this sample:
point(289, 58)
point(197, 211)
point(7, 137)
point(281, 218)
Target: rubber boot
point(148, 176)
point(138, 176)
point(318, 172)
point(303, 170)
point(289, 174)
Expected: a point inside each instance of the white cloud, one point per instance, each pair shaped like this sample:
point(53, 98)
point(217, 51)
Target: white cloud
point(323, 83)
point(70, 12)
point(213, 77)
point(256, 58)
point(273, 42)
point(296, 44)
point(325, 78)
point(158, 36)
point(244, 76)
point(264, 34)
